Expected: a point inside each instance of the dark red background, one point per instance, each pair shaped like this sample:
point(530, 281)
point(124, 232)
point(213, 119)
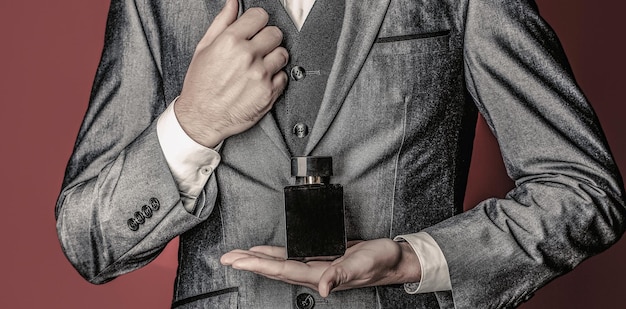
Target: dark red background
point(48, 57)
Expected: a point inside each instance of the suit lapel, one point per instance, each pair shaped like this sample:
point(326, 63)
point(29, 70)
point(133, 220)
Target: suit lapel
point(269, 126)
point(361, 24)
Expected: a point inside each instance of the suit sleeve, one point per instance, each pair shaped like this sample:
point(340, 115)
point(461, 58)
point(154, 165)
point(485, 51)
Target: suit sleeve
point(119, 205)
point(568, 202)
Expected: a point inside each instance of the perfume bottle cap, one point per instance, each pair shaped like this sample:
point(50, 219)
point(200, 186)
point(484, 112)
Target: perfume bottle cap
point(311, 166)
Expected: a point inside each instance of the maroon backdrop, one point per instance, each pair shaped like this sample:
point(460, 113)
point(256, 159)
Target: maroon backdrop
point(48, 57)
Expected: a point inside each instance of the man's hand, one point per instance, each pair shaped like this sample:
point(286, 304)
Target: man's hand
point(234, 77)
point(366, 263)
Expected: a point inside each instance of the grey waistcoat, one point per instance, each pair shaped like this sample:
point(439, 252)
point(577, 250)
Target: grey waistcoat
point(311, 55)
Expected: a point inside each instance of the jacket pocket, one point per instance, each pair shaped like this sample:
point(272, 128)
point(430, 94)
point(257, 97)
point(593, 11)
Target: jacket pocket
point(225, 298)
point(407, 37)
point(416, 43)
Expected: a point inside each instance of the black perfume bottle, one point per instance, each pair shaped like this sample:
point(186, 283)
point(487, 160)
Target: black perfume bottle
point(314, 211)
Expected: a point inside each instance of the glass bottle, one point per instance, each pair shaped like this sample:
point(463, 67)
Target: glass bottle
point(314, 211)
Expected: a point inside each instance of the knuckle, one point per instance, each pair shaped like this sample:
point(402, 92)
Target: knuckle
point(258, 73)
point(247, 58)
point(229, 38)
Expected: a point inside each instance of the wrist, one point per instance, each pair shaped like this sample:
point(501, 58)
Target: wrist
point(194, 126)
point(409, 267)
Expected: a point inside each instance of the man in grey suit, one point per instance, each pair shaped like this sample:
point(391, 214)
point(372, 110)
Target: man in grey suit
point(392, 96)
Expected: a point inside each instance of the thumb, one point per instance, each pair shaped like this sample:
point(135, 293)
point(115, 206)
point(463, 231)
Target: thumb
point(225, 18)
point(328, 281)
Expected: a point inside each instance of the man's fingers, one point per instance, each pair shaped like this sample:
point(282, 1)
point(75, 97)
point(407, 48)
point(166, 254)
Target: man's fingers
point(278, 252)
point(285, 270)
point(225, 18)
point(260, 265)
point(276, 60)
point(249, 23)
point(270, 262)
point(279, 82)
point(231, 257)
point(267, 40)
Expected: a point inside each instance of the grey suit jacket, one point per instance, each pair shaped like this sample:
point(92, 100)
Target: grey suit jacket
point(398, 118)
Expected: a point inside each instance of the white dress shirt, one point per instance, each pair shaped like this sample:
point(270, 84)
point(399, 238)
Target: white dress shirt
point(298, 10)
point(192, 164)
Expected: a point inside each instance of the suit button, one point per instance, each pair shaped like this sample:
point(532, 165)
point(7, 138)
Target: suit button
point(300, 130)
point(139, 218)
point(132, 224)
point(297, 73)
point(154, 203)
point(305, 301)
point(146, 211)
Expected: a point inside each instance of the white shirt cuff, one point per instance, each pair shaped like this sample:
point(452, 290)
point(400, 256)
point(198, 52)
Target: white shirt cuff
point(190, 163)
point(435, 274)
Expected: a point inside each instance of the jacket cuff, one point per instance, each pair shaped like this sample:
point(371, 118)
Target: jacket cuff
point(190, 163)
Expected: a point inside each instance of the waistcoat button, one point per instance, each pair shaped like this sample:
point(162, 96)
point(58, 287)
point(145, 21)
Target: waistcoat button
point(305, 301)
point(298, 73)
point(301, 130)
